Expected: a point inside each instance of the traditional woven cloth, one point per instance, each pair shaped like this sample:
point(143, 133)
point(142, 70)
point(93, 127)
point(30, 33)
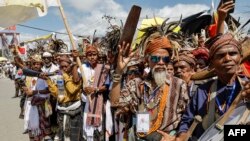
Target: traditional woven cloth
point(189, 58)
point(201, 53)
point(91, 49)
point(155, 43)
point(219, 41)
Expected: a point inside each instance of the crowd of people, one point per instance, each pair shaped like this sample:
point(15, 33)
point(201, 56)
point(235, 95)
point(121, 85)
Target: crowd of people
point(155, 96)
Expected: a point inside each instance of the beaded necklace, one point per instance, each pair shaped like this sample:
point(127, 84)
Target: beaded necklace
point(163, 101)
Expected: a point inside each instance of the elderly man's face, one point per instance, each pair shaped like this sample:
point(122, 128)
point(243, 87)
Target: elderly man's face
point(159, 60)
point(183, 70)
point(158, 64)
point(226, 60)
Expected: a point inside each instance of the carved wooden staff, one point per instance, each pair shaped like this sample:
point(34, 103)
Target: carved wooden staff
point(130, 27)
point(197, 120)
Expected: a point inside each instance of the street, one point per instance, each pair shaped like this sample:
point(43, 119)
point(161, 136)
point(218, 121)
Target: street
point(11, 127)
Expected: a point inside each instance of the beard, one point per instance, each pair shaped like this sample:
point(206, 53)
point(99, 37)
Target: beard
point(160, 76)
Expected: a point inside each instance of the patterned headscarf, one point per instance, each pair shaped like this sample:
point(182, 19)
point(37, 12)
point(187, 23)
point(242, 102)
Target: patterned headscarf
point(91, 49)
point(189, 58)
point(156, 42)
point(219, 41)
point(201, 53)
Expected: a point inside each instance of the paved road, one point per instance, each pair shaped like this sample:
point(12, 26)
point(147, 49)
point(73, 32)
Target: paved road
point(11, 127)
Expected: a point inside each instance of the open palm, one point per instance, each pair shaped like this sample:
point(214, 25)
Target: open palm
point(122, 59)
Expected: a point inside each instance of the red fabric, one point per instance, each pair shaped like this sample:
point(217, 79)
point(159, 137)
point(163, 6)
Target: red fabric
point(11, 28)
point(247, 65)
point(212, 30)
point(247, 68)
point(22, 50)
point(201, 52)
point(20, 72)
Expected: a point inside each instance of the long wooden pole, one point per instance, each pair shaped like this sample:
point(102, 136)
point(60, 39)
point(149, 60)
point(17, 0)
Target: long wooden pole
point(71, 40)
point(72, 44)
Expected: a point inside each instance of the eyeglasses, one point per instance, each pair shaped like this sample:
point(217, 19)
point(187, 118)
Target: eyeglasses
point(130, 72)
point(156, 59)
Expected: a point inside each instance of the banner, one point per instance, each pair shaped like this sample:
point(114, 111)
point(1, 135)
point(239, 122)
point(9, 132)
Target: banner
point(18, 11)
point(45, 37)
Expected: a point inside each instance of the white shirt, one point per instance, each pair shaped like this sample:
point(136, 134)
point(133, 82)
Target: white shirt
point(52, 68)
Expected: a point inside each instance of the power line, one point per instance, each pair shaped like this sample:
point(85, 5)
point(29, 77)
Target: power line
point(46, 30)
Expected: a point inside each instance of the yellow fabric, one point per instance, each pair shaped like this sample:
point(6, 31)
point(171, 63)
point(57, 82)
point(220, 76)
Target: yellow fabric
point(145, 24)
point(28, 80)
point(46, 37)
point(72, 90)
point(177, 29)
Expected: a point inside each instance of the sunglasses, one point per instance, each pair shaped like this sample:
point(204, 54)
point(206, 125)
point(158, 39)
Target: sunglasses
point(130, 72)
point(156, 59)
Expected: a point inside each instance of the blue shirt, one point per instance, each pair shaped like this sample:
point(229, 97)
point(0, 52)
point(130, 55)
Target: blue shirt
point(198, 104)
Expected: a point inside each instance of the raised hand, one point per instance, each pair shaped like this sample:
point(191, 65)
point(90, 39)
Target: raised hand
point(123, 60)
point(224, 8)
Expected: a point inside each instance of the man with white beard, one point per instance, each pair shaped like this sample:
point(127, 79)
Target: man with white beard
point(161, 98)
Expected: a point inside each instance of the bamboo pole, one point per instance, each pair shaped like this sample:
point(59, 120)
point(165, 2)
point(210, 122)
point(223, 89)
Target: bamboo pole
point(72, 43)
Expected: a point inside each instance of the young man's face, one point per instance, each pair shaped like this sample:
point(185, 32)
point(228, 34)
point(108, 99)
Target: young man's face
point(37, 66)
point(226, 60)
point(92, 57)
point(64, 66)
point(170, 69)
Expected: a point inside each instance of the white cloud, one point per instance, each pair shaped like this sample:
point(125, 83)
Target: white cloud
point(86, 25)
point(27, 36)
point(85, 16)
point(181, 9)
point(83, 5)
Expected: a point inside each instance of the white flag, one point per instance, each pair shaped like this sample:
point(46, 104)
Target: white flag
point(52, 3)
point(18, 11)
point(13, 12)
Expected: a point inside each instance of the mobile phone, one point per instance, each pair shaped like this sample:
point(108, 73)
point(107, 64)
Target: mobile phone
point(232, 10)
